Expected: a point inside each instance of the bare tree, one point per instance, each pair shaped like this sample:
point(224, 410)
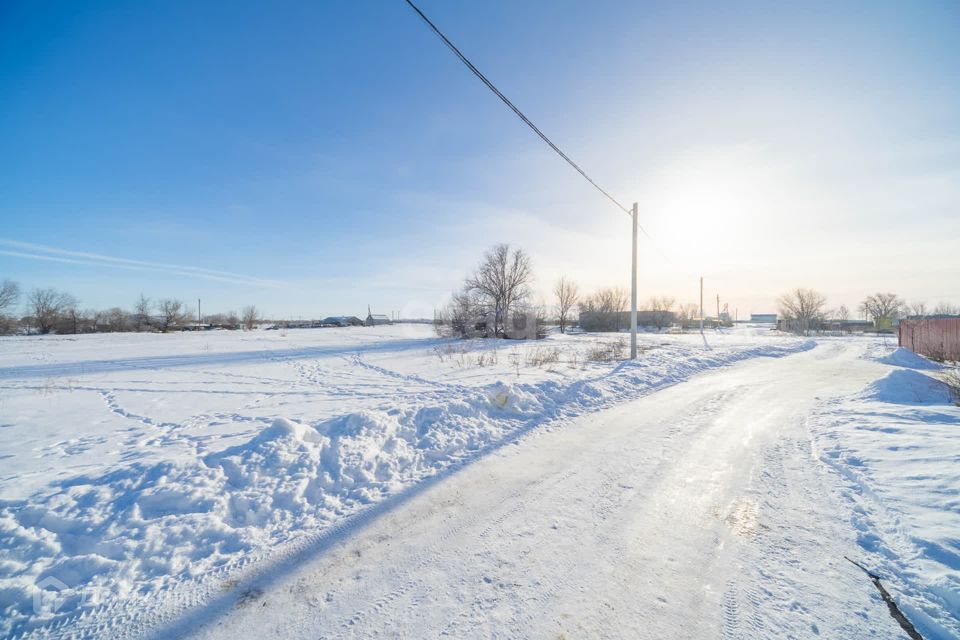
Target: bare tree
point(99, 318)
point(802, 309)
point(946, 309)
point(117, 319)
point(141, 312)
point(917, 309)
point(47, 306)
point(883, 309)
point(843, 316)
point(9, 295)
point(662, 309)
point(249, 317)
point(688, 314)
point(566, 292)
point(502, 280)
point(171, 312)
point(608, 305)
point(70, 314)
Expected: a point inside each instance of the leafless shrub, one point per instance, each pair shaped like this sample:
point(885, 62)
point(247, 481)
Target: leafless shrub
point(456, 354)
point(952, 379)
point(487, 358)
point(607, 351)
point(542, 355)
point(515, 360)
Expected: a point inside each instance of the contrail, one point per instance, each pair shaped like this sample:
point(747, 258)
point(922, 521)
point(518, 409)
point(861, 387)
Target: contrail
point(30, 251)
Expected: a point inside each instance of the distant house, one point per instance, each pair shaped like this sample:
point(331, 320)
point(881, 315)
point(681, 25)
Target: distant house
point(342, 321)
point(765, 318)
point(374, 319)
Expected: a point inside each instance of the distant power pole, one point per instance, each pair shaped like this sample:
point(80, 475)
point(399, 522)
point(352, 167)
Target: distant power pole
point(701, 304)
point(633, 288)
point(198, 314)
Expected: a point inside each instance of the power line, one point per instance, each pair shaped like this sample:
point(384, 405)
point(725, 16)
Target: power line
point(536, 129)
point(517, 111)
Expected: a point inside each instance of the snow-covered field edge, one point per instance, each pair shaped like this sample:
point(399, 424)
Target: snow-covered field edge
point(896, 449)
point(245, 513)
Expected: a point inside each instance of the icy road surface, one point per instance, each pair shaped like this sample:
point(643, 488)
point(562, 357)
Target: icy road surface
point(699, 511)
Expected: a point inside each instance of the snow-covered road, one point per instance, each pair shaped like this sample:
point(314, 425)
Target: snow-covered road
point(697, 511)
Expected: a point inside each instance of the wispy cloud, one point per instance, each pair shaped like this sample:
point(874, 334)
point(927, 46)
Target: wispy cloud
point(30, 251)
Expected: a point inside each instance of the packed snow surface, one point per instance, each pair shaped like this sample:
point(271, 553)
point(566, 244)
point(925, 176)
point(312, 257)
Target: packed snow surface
point(139, 468)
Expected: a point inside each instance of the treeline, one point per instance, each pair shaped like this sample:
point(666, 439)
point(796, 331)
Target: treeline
point(52, 311)
point(496, 301)
point(805, 310)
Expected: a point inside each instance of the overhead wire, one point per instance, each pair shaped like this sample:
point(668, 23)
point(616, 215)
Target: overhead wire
point(513, 107)
point(516, 110)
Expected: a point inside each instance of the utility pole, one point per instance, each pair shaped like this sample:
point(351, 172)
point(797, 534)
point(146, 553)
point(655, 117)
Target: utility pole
point(198, 314)
point(633, 289)
point(701, 305)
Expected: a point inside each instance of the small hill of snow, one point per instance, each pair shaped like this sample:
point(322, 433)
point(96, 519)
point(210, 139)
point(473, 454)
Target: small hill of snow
point(903, 357)
point(906, 386)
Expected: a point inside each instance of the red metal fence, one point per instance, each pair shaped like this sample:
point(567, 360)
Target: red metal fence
point(935, 338)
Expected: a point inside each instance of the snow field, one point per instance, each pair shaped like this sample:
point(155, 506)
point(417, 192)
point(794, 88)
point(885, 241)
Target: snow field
point(133, 475)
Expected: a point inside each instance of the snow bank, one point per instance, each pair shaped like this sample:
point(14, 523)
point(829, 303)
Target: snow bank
point(903, 357)
point(145, 528)
point(897, 448)
point(906, 386)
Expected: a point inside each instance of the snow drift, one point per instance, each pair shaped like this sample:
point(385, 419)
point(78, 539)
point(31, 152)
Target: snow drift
point(906, 386)
point(143, 529)
point(903, 357)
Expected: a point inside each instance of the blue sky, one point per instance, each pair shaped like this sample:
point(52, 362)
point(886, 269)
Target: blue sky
point(316, 157)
